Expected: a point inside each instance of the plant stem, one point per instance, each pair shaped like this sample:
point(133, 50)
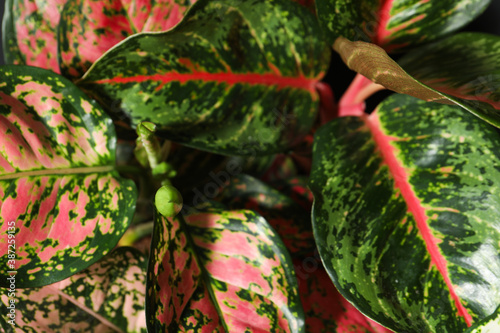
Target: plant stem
point(146, 131)
point(352, 102)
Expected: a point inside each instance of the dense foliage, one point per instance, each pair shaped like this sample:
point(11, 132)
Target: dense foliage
point(179, 166)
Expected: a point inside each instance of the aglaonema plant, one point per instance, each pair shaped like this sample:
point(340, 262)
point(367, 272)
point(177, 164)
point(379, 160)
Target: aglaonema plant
point(179, 166)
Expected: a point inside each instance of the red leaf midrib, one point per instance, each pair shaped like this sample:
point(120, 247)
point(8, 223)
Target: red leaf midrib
point(266, 79)
point(415, 207)
point(383, 20)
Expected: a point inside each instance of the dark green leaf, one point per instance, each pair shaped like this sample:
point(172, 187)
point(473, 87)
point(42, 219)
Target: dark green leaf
point(406, 214)
point(465, 68)
point(490, 324)
point(462, 70)
point(395, 24)
point(234, 77)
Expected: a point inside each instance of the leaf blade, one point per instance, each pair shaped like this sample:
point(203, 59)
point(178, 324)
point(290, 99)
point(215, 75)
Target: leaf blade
point(395, 24)
point(247, 298)
point(57, 152)
point(30, 29)
point(238, 82)
point(372, 230)
point(373, 62)
point(108, 295)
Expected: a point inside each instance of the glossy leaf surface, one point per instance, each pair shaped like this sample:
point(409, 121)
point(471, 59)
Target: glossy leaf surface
point(287, 210)
point(29, 32)
point(234, 77)
point(57, 178)
point(69, 35)
point(465, 67)
point(88, 28)
point(461, 70)
point(395, 24)
point(326, 310)
point(221, 271)
point(406, 214)
point(108, 296)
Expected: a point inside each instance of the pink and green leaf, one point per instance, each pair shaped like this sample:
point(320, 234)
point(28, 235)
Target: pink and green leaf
point(395, 24)
point(30, 32)
point(287, 209)
point(253, 94)
point(108, 296)
point(220, 271)
point(69, 35)
point(463, 69)
point(406, 214)
point(88, 28)
point(325, 309)
point(57, 179)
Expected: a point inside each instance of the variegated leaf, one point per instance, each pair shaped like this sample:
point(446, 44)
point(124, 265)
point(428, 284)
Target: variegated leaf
point(463, 70)
point(221, 271)
point(57, 180)
point(88, 28)
point(289, 216)
point(490, 324)
point(325, 309)
point(406, 214)
point(395, 24)
point(465, 67)
point(109, 296)
point(30, 32)
point(79, 31)
point(234, 77)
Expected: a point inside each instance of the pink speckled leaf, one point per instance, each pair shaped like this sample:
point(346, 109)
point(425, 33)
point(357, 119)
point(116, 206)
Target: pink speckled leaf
point(325, 309)
point(88, 28)
point(108, 296)
point(58, 186)
point(220, 271)
point(30, 32)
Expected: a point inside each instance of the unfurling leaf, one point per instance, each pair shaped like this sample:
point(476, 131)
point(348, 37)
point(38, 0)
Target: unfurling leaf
point(406, 214)
point(234, 77)
point(59, 193)
point(220, 271)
